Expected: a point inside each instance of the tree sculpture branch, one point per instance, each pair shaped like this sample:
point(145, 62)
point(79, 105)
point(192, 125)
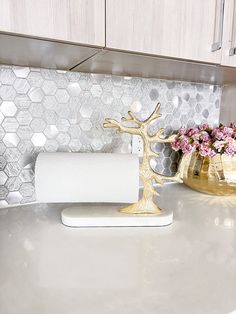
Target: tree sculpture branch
point(110, 123)
point(146, 204)
point(157, 138)
point(132, 118)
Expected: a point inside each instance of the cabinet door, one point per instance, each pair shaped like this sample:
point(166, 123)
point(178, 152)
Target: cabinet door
point(78, 21)
point(229, 34)
point(185, 29)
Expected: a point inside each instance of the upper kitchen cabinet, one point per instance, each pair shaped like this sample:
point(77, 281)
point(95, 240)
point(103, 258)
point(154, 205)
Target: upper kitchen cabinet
point(184, 29)
point(229, 34)
point(78, 21)
point(51, 33)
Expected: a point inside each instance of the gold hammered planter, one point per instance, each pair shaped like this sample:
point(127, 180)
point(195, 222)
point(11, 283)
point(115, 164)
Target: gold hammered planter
point(212, 175)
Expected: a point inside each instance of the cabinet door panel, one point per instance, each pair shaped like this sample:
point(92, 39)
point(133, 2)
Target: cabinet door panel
point(183, 29)
point(229, 34)
point(79, 21)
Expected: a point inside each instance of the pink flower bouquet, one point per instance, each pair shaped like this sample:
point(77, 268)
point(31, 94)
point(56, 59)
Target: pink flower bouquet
point(207, 141)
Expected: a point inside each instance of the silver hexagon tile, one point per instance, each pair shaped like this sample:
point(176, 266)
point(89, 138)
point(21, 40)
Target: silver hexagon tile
point(3, 162)
point(36, 110)
point(14, 198)
point(7, 76)
point(63, 110)
point(50, 117)
point(38, 139)
point(61, 79)
point(13, 184)
point(36, 94)
point(74, 89)
point(21, 86)
point(11, 139)
point(12, 169)
point(85, 82)
point(63, 125)
point(26, 175)
point(12, 154)
point(24, 117)
point(8, 108)
point(51, 146)
point(38, 125)
point(3, 193)
point(86, 110)
point(35, 79)
point(2, 148)
point(10, 124)
point(63, 139)
point(7, 92)
point(22, 101)
point(49, 87)
point(26, 189)
point(62, 96)
point(3, 178)
point(21, 72)
point(74, 131)
point(25, 147)
point(96, 90)
point(51, 131)
point(75, 145)
point(50, 102)
point(24, 132)
point(85, 124)
point(97, 144)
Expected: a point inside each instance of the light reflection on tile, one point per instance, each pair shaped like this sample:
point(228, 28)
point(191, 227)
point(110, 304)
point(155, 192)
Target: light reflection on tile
point(8, 108)
point(38, 139)
point(11, 140)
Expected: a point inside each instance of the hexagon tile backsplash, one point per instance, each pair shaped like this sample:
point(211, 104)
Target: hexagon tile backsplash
point(49, 110)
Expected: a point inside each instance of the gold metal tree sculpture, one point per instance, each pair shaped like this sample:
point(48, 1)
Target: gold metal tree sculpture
point(147, 204)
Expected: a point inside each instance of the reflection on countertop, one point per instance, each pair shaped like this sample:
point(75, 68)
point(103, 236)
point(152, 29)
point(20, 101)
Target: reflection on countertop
point(188, 267)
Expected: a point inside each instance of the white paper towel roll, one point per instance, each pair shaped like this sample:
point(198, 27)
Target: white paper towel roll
point(87, 177)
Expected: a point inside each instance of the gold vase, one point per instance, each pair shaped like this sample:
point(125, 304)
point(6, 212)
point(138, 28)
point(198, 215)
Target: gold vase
point(212, 175)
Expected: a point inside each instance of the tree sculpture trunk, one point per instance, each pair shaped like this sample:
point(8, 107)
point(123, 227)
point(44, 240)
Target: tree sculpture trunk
point(147, 204)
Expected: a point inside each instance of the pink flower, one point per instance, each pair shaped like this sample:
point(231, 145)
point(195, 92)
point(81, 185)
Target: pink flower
point(196, 136)
point(201, 136)
point(219, 145)
point(227, 131)
point(192, 131)
point(218, 134)
point(207, 141)
point(175, 146)
point(188, 148)
point(204, 136)
point(203, 127)
point(222, 132)
point(182, 131)
point(206, 151)
point(231, 147)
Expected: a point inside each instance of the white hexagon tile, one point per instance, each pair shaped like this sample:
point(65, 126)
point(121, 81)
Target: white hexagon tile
point(48, 110)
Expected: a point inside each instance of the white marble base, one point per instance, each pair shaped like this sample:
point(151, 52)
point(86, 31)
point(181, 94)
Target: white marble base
point(87, 215)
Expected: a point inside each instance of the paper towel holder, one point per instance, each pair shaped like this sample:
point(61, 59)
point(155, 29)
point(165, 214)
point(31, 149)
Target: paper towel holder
point(145, 211)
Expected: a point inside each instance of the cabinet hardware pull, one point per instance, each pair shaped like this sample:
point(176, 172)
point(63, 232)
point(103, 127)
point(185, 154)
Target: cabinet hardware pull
point(232, 49)
point(218, 44)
